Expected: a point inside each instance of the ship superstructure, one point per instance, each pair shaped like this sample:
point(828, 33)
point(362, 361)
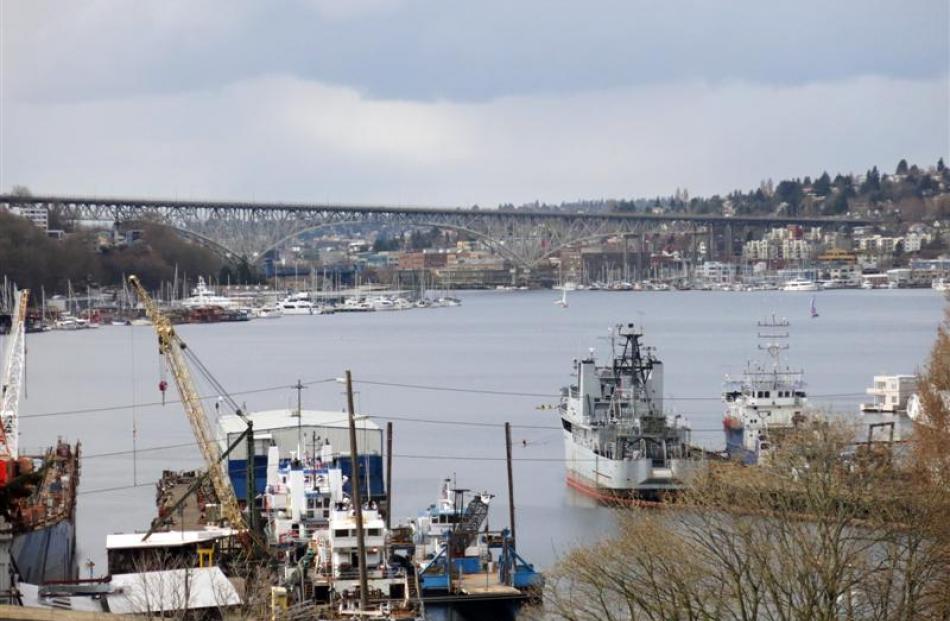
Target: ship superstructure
point(618, 440)
point(767, 402)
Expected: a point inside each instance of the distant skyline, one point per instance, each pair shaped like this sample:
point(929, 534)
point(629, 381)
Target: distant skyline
point(436, 103)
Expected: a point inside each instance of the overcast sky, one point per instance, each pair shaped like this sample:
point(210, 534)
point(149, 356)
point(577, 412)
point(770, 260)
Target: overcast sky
point(458, 103)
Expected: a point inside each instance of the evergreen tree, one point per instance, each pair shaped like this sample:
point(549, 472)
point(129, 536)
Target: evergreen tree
point(940, 165)
point(902, 167)
point(822, 185)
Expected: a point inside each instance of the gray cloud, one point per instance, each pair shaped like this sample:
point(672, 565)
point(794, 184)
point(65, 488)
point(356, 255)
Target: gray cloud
point(280, 137)
point(404, 101)
point(405, 49)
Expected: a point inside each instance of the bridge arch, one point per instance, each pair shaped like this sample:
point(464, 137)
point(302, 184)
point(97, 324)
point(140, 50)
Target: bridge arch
point(202, 240)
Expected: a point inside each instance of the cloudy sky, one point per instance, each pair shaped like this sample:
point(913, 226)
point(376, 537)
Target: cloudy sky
point(458, 103)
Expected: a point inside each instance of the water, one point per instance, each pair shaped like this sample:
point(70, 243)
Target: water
point(504, 341)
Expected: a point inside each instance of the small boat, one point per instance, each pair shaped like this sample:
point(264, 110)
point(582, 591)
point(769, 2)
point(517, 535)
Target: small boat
point(458, 559)
point(448, 300)
point(941, 284)
point(800, 284)
point(268, 312)
point(813, 310)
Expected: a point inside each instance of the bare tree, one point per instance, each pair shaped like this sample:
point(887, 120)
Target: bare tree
point(822, 531)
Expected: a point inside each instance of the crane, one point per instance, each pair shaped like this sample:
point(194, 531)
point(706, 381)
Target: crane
point(14, 365)
point(175, 351)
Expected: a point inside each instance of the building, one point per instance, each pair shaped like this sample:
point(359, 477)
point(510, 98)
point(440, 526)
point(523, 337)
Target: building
point(422, 260)
point(891, 393)
point(36, 214)
point(308, 433)
point(714, 272)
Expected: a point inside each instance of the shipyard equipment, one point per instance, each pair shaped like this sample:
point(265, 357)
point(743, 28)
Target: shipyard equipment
point(14, 364)
point(176, 354)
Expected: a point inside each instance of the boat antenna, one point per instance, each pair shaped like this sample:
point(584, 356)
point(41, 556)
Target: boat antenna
point(774, 336)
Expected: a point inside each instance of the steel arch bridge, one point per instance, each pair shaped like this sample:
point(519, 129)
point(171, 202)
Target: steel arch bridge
point(239, 229)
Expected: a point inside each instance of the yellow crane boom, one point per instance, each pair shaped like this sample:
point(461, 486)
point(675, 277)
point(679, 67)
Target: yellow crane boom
point(172, 348)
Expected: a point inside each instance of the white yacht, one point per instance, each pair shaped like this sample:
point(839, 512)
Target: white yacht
point(202, 296)
point(618, 441)
point(268, 312)
point(382, 303)
point(941, 284)
point(800, 284)
point(355, 305)
point(292, 306)
point(767, 402)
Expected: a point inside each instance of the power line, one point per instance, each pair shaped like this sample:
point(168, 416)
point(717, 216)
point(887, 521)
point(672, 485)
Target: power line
point(479, 391)
point(117, 408)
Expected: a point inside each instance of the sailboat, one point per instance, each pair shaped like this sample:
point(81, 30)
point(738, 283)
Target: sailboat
point(563, 301)
point(814, 310)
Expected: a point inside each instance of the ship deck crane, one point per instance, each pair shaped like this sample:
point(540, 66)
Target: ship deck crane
point(177, 355)
point(11, 384)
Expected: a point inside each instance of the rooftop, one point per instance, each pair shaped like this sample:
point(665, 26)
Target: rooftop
point(164, 539)
point(285, 418)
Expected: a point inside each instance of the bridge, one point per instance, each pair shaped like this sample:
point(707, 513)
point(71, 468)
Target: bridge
point(239, 229)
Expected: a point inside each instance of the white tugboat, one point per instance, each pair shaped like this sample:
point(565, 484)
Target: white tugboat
point(767, 402)
point(618, 441)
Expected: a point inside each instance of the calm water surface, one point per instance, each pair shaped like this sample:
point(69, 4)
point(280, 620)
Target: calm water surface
point(503, 341)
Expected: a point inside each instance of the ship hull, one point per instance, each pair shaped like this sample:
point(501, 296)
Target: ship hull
point(735, 446)
point(608, 479)
point(46, 554)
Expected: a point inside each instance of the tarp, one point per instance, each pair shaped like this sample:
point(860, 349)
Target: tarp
point(171, 590)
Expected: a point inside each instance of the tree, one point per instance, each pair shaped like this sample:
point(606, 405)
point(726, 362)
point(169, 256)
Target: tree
point(822, 185)
point(872, 182)
point(789, 192)
point(931, 440)
point(835, 205)
point(940, 165)
point(901, 167)
point(811, 534)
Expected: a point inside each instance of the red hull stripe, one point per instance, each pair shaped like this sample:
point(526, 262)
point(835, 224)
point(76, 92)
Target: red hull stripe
point(606, 496)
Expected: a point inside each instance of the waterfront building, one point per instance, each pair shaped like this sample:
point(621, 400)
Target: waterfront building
point(891, 394)
point(715, 272)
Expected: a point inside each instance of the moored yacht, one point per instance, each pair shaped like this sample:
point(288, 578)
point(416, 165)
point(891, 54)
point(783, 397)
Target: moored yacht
point(291, 306)
point(202, 296)
point(800, 284)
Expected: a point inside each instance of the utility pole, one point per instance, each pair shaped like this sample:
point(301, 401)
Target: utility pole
point(357, 496)
point(300, 444)
point(251, 474)
point(389, 472)
point(511, 485)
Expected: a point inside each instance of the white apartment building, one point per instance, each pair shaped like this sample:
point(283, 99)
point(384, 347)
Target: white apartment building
point(36, 214)
point(890, 393)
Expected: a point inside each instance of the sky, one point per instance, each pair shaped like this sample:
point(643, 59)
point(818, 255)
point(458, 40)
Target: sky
point(444, 103)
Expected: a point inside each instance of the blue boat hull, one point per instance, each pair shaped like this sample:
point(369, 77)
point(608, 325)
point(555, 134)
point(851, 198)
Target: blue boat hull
point(735, 448)
point(46, 554)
